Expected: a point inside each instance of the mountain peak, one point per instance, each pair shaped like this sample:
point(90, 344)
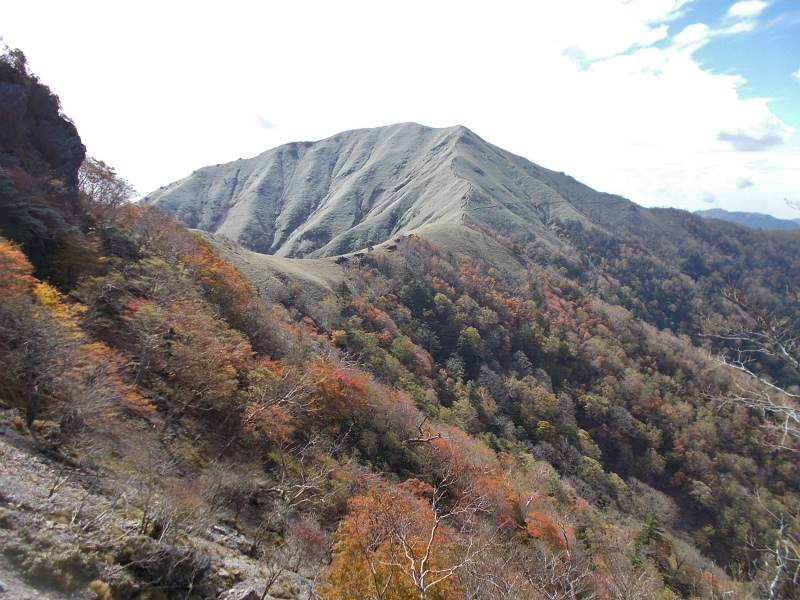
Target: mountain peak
point(364, 187)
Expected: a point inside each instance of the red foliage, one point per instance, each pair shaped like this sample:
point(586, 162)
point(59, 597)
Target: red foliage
point(340, 393)
point(543, 526)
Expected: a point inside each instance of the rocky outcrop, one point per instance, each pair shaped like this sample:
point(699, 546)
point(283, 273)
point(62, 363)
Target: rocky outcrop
point(35, 138)
point(40, 155)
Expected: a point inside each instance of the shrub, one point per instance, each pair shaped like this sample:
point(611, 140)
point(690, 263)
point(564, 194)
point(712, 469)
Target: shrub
point(48, 562)
point(160, 565)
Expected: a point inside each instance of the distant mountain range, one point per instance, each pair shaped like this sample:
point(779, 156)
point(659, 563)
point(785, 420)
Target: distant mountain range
point(749, 219)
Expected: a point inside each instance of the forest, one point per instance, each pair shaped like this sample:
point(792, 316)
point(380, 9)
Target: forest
point(616, 421)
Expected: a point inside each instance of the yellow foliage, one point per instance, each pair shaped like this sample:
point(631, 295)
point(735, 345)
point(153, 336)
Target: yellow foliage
point(16, 272)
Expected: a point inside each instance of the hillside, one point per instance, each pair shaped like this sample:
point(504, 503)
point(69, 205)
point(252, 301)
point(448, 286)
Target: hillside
point(521, 388)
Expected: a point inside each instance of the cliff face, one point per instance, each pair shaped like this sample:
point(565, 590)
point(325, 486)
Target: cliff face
point(34, 136)
point(40, 155)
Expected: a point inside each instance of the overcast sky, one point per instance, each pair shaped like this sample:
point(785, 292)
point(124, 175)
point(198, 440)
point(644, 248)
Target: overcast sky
point(686, 103)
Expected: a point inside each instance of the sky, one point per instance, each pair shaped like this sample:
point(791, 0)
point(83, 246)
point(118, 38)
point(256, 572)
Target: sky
point(693, 104)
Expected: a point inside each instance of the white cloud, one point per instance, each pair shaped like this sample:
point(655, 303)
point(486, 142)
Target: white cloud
point(747, 9)
point(796, 74)
point(693, 36)
point(638, 116)
point(742, 17)
point(604, 28)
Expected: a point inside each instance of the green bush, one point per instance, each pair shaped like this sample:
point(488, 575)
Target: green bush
point(48, 562)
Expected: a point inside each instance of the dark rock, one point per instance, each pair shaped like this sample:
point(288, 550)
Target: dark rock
point(40, 156)
point(35, 136)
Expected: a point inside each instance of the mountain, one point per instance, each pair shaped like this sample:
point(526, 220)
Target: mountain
point(749, 219)
point(363, 187)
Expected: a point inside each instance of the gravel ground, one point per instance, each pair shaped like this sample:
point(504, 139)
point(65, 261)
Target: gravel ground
point(76, 507)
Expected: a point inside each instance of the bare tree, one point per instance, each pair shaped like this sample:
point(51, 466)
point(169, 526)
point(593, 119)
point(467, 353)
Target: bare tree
point(416, 537)
point(268, 393)
point(103, 191)
point(451, 506)
point(556, 574)
point(627, 581)
point(764, 334)
point(780, 556)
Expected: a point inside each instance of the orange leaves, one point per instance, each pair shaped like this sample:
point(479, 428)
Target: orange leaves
point(50, 299)
point(391, 545)
point(273, 424)
point(418, 488)
point(544, 526)
point(223, 283)
point(198, 356)
point(364, 560)
point(374, 318)
point(311, 326)
point(103, 191)
point(156, 234)
point(339, 393)
point(272, 399)
point(339, 337)
point(384, 338)
point(45, 355)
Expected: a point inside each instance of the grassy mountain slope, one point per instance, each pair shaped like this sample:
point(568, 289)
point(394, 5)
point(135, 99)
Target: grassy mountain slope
point(361, 188)
point(328, 197)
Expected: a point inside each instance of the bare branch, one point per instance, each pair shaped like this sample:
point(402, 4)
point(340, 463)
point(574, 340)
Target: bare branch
point(424, 436)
